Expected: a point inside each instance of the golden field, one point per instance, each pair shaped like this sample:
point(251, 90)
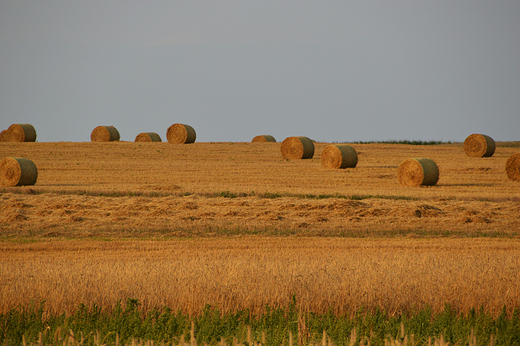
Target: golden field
point(235, 225)
point(343, 275)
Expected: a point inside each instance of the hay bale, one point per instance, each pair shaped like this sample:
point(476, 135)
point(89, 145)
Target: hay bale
point(477, 145)
point(16, 171)
point(297, 148)
point(263, 138)
point(181, 134)
point(416, 172)
point(21, 133)
point(4, 136)
point(104, 134)
point(513, 167)
point(148, 137)
point(338, 156)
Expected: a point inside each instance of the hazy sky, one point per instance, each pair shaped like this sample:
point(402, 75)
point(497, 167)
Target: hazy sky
point(330, 70)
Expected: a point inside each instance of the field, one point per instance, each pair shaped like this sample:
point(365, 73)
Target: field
point(90, 189)
point(236, 226)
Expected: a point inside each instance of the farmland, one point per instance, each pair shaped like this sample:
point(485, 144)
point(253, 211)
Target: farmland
point(234, 225)
point(159, 188)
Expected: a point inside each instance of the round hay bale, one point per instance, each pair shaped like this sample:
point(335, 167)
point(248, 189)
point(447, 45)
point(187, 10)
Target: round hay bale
point(338, 156)
point(477, 145)
point(4, 136)
point(416, 172)
point(17, 171)
point(263, 138)
point(104, 134)
point(148, 137)
point(21, 133)
point(299, 147)
point(181, 134)
point(513, 167)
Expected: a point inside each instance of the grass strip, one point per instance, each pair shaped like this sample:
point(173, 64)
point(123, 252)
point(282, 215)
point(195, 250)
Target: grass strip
point(126, 323)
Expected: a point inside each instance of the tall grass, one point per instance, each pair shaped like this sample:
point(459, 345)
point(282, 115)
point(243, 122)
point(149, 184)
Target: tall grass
point(128, 324)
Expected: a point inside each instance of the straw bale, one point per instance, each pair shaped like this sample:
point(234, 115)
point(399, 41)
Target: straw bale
point(477, 145)
point(104, 134)
point(418, 171)
point(4, 136)
point(21, 133)
point(298, 147)
point(338, 156)
point(181, 134)
point(513, 167)
point(148, 137)
point(264, 138)
point(17, 171)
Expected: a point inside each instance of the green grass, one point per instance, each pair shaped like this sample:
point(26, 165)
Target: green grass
point(274, 327)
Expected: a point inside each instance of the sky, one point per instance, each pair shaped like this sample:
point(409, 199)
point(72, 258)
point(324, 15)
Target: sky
point(334, 71)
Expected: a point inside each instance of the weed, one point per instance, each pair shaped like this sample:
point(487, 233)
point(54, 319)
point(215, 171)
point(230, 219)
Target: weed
point(125, 325)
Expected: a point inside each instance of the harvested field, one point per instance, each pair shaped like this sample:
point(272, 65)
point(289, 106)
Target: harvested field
point(235, 224)
point(157, 187)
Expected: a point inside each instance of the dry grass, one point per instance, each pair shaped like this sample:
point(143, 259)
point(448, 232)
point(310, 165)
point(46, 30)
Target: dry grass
point(344, 275)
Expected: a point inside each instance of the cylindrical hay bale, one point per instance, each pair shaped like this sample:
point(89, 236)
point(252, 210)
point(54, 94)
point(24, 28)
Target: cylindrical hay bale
point(181, 134)
point(21, 133)
point(299, 147)
point(104, 134)
point(513, 167)
point(416, 172)
point(16, 171)
point(338, 156)
point(477, 145)
point(264, 138)
point(148, 137)
point(4, 136)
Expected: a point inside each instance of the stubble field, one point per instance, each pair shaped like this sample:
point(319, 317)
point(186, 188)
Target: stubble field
point(236, 226)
